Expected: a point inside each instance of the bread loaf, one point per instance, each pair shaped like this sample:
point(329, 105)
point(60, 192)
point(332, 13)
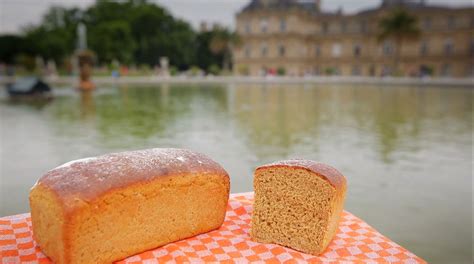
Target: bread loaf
point(298, 204)
point(103, 209)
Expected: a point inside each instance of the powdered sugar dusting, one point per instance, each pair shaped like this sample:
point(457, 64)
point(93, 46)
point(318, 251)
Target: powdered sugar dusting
point(90, 177)
point(68, 164)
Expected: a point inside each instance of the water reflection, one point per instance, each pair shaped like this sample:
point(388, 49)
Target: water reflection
point(87, 104)
point(407, 151)
point(274, 119)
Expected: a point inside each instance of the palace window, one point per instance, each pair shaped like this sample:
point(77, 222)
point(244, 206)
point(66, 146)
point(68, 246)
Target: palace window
point(264, 50)
point(356, 70)
point(317, 50)
point(451, 22)
point(248, 51)
point(343, 26)
point(363, 26)
point(247, 27)
point(446, 70)
point(316, 70)
point(424, 48)
point(427, 23)
point(386, 70)
point(282, 25)
point(372, 70)
point(325, 27)
point(387, 48)
point(357, 50)
point(264, 25)
point(336, 50)
point(448, 46)
point(281, 50)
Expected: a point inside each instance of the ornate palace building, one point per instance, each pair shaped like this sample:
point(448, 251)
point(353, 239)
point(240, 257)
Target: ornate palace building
point(297, 38)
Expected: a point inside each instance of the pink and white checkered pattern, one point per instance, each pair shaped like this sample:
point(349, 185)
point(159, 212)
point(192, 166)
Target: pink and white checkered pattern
point(355, 242)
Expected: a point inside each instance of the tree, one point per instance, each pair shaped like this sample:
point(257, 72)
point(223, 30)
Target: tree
point(153, 30)
point(204, 58)
point(10, 47)
point(132, 31)
point(158, 34)
point(222, 42)
point(112, 40)
point(106, 11)
point(399, 26)
point(52, 44)
point(54, 37)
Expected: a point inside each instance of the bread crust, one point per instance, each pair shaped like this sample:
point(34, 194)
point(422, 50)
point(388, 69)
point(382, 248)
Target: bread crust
point(84, 185)
point(324, 171)
point(79, 182)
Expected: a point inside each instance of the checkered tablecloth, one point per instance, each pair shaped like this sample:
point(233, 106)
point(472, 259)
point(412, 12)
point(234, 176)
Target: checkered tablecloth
point(355, 242)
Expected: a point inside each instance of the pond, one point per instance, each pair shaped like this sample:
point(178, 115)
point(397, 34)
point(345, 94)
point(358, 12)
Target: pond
point(406, 151)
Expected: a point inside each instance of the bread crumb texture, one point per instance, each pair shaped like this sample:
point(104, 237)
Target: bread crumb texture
point(298, 204)
point(104, 209)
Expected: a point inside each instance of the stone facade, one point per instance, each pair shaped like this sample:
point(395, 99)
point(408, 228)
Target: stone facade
point(295, 38)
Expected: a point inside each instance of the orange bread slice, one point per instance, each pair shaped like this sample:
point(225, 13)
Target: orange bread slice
point(298, 204)
point(103, 209)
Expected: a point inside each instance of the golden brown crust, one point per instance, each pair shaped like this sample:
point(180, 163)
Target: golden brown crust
point(169, 181)
point(80, 182)
point(326, 172)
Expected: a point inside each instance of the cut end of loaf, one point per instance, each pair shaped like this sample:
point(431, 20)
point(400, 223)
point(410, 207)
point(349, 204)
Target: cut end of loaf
point(295, 207)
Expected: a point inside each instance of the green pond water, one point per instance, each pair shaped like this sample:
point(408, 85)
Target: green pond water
point(406, 151)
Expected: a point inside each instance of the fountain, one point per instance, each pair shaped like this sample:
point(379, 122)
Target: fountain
point(164, 63)
point(85, 59)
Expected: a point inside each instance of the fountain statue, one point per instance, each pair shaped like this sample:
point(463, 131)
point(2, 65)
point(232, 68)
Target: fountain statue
point(51, 70)
point(164, 63)
point(81, 36)
point(85, 59)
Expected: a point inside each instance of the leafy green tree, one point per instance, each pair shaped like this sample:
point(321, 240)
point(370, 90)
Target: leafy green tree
point(132, 31)
point(204, 58)
point(55, 37)
point(10, 47)
point(49, 43)
point(158, 34)
point(105, 11)
point(399, 26)
point(154, 32)
point(112, 40)
point(222, 42)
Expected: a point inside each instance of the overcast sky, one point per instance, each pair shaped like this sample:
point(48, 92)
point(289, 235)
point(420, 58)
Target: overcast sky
point(15, 14)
